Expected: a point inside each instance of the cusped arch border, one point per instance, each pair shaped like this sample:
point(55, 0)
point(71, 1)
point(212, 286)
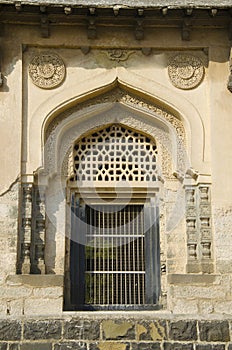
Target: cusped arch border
point(147, 89)
point(93, 118)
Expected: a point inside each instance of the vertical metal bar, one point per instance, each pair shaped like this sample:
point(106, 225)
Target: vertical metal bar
point(129, 252)
point(138, 255)
point(142, 278)
point(95, 255)
point(116, 256)
point(120, 256)
point(114, 225)
point(125, 256)
point(103, 250)
point(99, 253)
point(134, 253)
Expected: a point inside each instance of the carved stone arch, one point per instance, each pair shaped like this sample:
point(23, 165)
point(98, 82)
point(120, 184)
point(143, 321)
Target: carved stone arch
point(145, 89)
point(121, 107)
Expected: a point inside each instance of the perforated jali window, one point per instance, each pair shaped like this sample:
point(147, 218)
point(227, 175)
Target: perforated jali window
point(115, 154)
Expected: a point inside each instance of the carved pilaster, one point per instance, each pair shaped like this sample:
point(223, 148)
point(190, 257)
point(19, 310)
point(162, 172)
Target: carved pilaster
point(205, 228)
point(27, 192)
point(39, 228)
point(191, 228)
point(229, 84)
point(198, 226)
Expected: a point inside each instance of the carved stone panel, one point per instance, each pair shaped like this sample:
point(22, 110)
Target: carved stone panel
point(26, 229)
point(118, 54)
point(47, 70)
point(198, 226)
point(185, 71)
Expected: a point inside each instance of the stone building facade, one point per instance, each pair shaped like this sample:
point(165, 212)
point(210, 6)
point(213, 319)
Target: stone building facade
point(115, 191)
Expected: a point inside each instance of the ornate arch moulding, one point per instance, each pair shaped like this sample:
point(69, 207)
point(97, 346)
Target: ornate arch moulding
point(148, 89)
point(87, 116)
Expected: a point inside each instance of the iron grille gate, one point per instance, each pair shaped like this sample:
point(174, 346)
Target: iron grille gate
point(116, 266)
point(114, 257)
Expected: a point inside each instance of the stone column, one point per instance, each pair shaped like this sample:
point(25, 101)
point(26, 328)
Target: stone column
point(193, 264)
point(205, 228)
point(39, 234)
point(198, 227)
point(26, 232)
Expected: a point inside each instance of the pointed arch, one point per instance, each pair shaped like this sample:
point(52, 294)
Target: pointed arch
point(147, 90)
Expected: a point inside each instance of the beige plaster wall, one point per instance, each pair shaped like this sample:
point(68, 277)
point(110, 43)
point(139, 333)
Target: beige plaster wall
point(205, 111)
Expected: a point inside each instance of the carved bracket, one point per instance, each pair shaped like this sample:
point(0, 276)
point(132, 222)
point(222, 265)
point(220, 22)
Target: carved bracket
point(44, 26)
point(186, 29)
point(91, 29)
point(139, 31)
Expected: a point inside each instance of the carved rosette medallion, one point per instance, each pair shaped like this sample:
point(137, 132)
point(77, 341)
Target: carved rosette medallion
point(185, 71)
point(47, 70)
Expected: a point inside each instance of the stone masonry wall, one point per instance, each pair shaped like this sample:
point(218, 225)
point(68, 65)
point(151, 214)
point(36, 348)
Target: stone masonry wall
point(114, 334)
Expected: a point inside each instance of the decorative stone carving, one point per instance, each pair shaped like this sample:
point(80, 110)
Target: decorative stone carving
point(192, 252)
point(132, 156)
point(39, 234)
point(124, 98)
point(185, 71)
point(198, 226)
point(229, 84)
point(47, 70)
point(26, 234)
point(118, 54)
point(206, 250)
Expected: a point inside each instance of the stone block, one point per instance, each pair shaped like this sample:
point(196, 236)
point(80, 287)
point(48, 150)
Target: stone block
point(15, 307)
point(3, 308)
point(191, 279)
point(214, 331)
point(210, 347)
point(82, 329)
point(70, 346)
point(36, 346)
point(185, 306)
point(155, 330)
point(201, 292)
point(36, 330)
point(178, 346)
point(223, 307)
point(118, 329)
point(14, 346)
point(145, 346)
point(206, 307)
point(13, 292)
point(10, 330)
point(48, 292)
point(43, 307)
point(183, 330)
point(109, 346)
point(3, 346)
point(36, 280)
